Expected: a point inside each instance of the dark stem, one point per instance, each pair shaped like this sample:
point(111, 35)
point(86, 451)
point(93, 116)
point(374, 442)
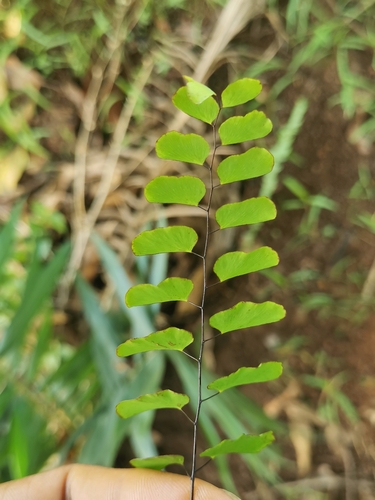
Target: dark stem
point(198, 255)
point(202, 336)
point(209, 397)
point(187, 416)
point(192, 303)
point(189, 355)
point(204, 465)
point(214, 284)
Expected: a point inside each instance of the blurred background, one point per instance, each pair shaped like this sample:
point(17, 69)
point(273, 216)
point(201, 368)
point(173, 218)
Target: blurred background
point(85, 91)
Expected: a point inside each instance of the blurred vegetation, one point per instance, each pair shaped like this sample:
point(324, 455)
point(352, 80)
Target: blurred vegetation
point(66, 68)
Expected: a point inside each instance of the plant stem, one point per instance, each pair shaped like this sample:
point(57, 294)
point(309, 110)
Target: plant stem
point(202, 336)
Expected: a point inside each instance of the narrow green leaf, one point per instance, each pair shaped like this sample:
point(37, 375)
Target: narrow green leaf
point(252, 126)
point(206, 111)
point(246, 315)
point(196, 91)
point(7, 234)
point(168, 290)
point(234, 264)
point(249, 211)
point(191, 148)
point(241, 91)
point(157, 463)
point(263, 373)
point(103, 339)
point(18, 447)
point(244, 444)
point(165, 240)
point(157, 401)
point(171, 339)
point(254, 163)
point(140, 320)
point(41, 282)
point(185, 190)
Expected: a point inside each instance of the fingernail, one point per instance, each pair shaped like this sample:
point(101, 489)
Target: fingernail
point(231, 495)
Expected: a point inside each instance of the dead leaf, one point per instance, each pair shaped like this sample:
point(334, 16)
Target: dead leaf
point(278, 404)
point(301, 434)
point(12, 166)
point(20, 76)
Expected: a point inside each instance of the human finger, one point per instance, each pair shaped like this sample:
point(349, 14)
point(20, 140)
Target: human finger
point(86, 482)
point(89, 483)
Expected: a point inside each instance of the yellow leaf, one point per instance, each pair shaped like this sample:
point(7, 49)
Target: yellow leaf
point(12, 166)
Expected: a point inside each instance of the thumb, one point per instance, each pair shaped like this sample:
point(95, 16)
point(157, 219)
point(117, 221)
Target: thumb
point(232, 496)
point(96, 483)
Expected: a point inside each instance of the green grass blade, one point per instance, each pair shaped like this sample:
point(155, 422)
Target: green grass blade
point(263, 373)
point(284, 146)
point(246, 315)
point(190, 148)
point(244, 444)
point(39, 286)
point(171, 289)
point(18, 449)
point(206, 111)
point(157, 463)
point(240, 91)
point(165, 240)
point(184, 190)
point(7, 234)
point(43, 336)
point(254, 125)
point(139, 318)
point(234, 264)
point(171, 339)
point(104, 434)
point(157, 401)
point(250, 211)
point(254, 163)
point(103, 341)
point(29, 444)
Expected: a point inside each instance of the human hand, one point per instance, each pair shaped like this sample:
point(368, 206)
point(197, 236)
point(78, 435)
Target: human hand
point(89, 482)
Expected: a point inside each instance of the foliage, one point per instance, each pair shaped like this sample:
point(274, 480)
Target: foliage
point(29, 272)
point(55, 379)
point(192, 148)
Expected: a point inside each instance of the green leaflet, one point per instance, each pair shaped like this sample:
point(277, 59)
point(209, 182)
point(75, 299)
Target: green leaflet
point(244, 444)
point(170, 289)
point(206, 111)
point(196, 100)
point(196, 91)
point(165, 240)
point(252, 126)
point(234, 264)
point(249, 211)
point(191, 148)
point(185, 190)
point(246, 315)
point(157, 463)
point(171, 339)
point(157, 401)
point(241, 91)
point(263, 373)
point(254, 163)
